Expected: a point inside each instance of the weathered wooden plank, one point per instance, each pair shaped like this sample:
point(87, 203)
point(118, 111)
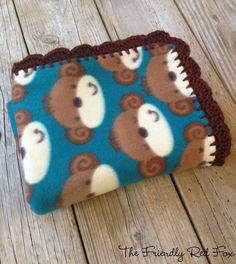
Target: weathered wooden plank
point(24, 237)
point(146, 214)
point(214, 25)
point(141, 215)
point(209, 194)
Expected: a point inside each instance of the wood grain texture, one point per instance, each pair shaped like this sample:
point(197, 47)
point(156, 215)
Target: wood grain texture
point(214, 26)
point(149, 205)
point(209, 194)
point(147, 213)
point(139, 215)
point(24, 237)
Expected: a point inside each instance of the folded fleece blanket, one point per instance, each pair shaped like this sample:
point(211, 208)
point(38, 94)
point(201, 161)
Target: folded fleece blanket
point(92, 119)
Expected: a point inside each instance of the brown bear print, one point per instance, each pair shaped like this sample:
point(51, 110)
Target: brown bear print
point(34, 146)
point(166, 80)
point(87, 179)
point(200, 148)
point(123, 65)
point(20, 80)
point(143, 133)
point(76, 101)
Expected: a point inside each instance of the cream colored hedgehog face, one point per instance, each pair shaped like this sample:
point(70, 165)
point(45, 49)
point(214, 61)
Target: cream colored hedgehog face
point(24, 78)
point(92, 104)
point(132, 60)
point(35, 152)
point(104, 180)
point(158, 134)
point(173, 66)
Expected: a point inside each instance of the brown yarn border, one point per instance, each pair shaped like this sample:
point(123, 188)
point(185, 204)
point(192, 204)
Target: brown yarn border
point(203, 92)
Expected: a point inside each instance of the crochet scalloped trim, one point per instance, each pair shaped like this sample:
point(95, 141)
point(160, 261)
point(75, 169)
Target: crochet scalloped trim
point(203, 92)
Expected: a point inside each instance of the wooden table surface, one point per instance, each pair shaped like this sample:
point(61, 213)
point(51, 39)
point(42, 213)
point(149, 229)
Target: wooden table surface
point(195, 208)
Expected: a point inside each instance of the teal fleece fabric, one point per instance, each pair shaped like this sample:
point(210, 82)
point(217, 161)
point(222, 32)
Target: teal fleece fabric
point(48, 168)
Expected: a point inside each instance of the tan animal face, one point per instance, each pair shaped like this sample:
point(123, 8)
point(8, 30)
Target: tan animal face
point(123, 66)
point(196, 150)
point(77, 187)
point(72, 101)
point(63, 103)
point(166, 80)
point(139, 132)
point(87, 180)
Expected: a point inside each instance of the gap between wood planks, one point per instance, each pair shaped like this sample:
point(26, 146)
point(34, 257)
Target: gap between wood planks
point(188, 214)
point(3, 111)
point(80, 235)
point(171, 175)
point(173, 181)
point(179, 194)
point(72, 207)
point(207, 54)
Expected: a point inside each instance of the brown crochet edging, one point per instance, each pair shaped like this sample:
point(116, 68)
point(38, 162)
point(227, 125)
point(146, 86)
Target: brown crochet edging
point(201, 89)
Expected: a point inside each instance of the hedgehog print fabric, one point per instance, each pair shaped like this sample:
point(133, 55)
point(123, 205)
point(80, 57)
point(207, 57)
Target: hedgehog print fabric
point(93, 119)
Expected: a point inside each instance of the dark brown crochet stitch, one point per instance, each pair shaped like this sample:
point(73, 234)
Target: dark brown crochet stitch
point(203, 92)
